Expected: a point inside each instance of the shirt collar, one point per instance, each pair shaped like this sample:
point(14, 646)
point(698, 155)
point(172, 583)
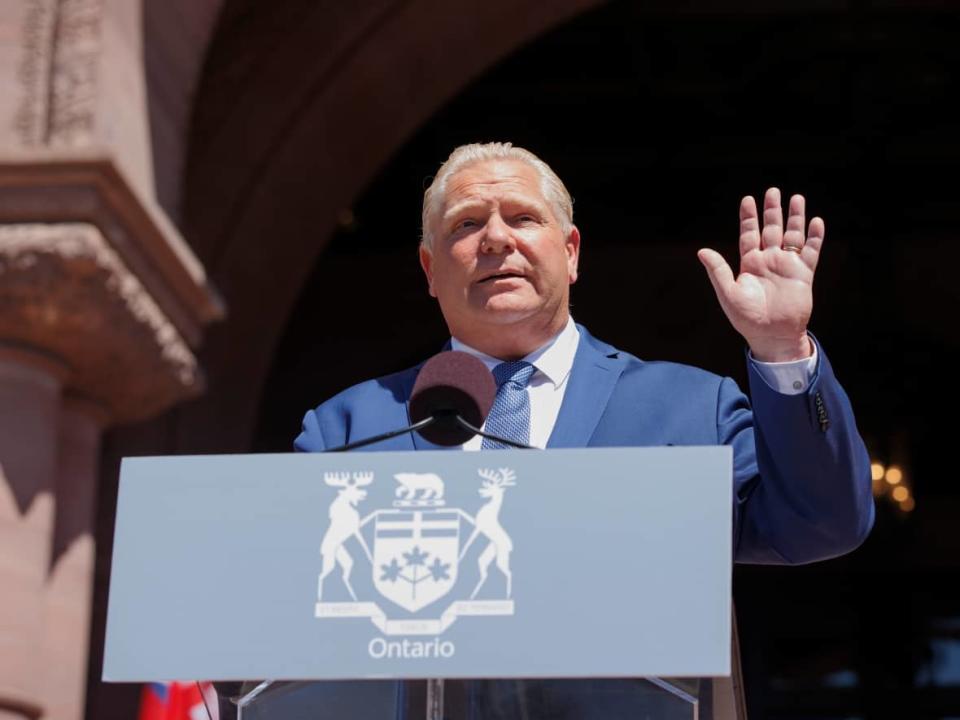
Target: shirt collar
point(553, 360)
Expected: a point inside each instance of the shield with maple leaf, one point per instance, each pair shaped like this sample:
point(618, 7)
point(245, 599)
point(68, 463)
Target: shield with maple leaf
point(415, 555)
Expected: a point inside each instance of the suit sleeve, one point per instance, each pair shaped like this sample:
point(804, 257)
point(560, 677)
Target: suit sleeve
point(802, 488)
point(310, 438)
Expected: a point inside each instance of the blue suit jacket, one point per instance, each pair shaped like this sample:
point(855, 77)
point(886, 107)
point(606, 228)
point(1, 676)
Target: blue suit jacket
point(801, 480)
point(802, 488)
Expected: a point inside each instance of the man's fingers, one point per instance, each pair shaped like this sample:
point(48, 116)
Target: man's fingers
point(815, 235)
point(796, 220)
point(749, 226)
point(720, 274)
point(772, 235)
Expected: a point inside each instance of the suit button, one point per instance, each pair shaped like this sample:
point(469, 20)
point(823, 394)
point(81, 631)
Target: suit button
point(821, 413)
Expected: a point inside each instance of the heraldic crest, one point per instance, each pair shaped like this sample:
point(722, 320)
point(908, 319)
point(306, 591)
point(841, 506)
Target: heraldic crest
point(415, 552)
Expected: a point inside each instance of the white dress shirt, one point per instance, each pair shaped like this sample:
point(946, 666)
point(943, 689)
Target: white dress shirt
point(554, 360)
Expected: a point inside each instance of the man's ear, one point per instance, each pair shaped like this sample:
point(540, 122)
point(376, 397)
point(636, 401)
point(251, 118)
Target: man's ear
point(426, 262)
point(573, 253)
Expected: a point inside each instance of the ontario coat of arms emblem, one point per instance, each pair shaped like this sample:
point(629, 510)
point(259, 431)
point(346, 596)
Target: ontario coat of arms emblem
point(414, 551)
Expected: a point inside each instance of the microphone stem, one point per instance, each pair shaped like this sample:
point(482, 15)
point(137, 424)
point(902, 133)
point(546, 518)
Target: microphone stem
point(467, 426)
point(385, 436)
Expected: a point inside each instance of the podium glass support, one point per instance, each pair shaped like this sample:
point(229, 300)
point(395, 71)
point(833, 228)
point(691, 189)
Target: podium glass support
point(583, 699)
point(718, 698)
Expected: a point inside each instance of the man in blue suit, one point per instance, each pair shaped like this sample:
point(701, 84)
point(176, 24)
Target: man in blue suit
point(500, 252)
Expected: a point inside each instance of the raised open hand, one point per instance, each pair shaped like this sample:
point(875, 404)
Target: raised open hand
point(770, 301)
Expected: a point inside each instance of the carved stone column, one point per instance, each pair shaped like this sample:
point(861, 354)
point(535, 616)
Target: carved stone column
point(72, 76)
point(30, 386)
point(66, 293)
point(102, 305)
point(68, 591)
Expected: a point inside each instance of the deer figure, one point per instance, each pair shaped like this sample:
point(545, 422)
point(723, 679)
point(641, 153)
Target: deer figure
point(487, 522)
point(344, 524)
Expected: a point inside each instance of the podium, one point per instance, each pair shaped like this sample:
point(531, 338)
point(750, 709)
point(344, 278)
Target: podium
point(508, 584)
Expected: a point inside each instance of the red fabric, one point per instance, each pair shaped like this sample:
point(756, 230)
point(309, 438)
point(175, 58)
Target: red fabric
point(172, 701)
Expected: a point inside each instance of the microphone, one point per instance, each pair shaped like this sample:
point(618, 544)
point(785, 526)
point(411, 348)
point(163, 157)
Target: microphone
point(452, 384)
point(451, 397)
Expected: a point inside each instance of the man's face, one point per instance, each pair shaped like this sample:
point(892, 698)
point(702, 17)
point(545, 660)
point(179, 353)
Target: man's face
point(499, 254)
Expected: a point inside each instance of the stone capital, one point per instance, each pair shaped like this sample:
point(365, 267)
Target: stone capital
point(64, 290)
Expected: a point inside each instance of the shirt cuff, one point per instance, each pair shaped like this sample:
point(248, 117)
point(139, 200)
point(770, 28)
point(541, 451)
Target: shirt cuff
point(788, 378)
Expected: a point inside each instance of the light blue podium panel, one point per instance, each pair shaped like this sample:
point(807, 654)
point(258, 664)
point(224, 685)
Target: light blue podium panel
point(587, 564)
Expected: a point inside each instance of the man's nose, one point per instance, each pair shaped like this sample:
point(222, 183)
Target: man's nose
point(497, 236)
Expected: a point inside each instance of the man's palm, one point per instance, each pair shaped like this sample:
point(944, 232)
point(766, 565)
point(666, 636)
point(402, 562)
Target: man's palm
point(771, 300)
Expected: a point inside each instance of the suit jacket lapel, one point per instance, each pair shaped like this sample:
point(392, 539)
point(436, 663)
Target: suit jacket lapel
point(596, 369)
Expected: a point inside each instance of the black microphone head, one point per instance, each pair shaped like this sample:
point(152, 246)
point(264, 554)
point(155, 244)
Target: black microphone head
point(452, 383)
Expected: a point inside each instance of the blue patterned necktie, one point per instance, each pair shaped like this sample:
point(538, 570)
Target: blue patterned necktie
point(510, 415)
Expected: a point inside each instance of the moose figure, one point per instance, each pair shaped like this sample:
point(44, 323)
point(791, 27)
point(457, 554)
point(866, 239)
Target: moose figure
point(344, 524)
point(487, 522)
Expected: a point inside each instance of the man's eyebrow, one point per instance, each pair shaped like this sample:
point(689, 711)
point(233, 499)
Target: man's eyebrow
point(461, 206)
point(507, 199)
point(525, 201)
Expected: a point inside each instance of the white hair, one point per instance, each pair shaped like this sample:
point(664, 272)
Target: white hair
point(551, 186)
